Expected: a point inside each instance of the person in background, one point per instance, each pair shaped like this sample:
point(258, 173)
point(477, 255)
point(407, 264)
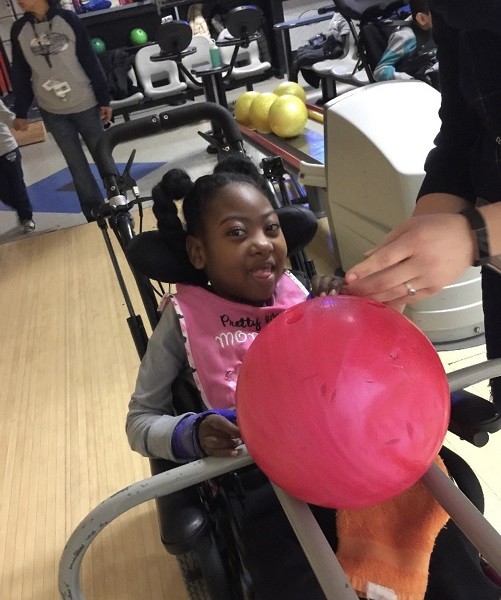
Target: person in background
point(411, 49)
point(53, 61)
point(13, 190)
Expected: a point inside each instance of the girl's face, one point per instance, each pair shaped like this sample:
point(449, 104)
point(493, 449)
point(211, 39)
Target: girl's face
point(242, 249)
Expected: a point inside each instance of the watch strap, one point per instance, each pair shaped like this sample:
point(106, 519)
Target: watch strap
point(478, 226)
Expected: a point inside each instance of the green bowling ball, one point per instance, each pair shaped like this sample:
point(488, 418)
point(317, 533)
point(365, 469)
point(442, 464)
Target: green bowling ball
point(98, 45)
point(138, 36)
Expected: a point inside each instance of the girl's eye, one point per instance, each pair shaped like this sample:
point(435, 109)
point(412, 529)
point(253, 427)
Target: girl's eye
point(236, 232)
point(273, 227)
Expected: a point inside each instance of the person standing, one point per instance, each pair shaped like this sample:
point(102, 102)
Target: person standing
point(53, 61)
point(457, 220)
point(13, 190)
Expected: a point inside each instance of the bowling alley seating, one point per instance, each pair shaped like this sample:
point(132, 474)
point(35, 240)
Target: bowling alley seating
point(347, 63)
point(123, 105)
point(238, 48)
point(247, 62)
point(358, 71)
point(158, 79)
point(199, 58)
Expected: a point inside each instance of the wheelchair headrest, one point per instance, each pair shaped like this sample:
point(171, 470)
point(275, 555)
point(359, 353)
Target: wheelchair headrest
point(149, 253)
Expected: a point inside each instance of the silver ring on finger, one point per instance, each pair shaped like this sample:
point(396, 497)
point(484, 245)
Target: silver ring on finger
point(410, 290)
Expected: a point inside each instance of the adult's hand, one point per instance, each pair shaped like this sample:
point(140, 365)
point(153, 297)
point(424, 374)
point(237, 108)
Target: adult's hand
point(423, 254)
point(105, 112)
point(20, 124)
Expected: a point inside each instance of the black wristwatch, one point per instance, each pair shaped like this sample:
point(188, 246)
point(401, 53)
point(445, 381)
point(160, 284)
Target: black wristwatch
point(478, 226)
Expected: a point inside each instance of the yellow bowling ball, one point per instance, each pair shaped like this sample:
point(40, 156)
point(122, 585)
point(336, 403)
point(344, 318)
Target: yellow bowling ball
point(292, 88)
point(242, 106)
point(259, 109)
point(288, 116)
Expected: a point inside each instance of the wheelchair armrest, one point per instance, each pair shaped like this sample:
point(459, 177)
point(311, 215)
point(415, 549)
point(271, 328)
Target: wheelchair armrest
point(473, 418)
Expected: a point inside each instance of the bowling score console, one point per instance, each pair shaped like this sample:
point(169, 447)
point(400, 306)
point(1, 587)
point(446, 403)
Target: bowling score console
point(366, 163)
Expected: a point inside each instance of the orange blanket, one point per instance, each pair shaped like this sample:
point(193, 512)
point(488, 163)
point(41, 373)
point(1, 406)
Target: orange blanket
point(389, 545)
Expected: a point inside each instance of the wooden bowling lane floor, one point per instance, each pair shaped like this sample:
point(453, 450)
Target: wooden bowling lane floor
point(68, 367)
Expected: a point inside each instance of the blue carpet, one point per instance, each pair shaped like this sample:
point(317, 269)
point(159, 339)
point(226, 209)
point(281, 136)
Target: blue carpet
point(56, 193)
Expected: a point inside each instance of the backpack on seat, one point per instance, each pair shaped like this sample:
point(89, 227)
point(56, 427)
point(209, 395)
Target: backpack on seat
point(320, 47)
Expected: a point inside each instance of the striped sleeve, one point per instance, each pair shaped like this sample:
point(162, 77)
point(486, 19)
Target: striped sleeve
point(400, 44)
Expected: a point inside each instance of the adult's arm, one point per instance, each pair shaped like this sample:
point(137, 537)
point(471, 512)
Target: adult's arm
point(20, 74)
point(88, 59)
point(436, 245)
point(150, 421)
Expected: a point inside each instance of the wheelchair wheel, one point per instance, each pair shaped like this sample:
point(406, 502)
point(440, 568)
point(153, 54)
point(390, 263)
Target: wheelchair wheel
point(191, 573)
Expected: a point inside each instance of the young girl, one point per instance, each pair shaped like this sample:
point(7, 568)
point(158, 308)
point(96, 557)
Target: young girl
point(234, 243)
point(234, 240)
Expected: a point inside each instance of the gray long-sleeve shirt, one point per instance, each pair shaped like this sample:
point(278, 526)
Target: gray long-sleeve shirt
point(150, 420)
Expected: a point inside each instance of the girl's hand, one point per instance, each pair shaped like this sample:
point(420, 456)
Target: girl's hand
point(323, 285)
point(218, 437)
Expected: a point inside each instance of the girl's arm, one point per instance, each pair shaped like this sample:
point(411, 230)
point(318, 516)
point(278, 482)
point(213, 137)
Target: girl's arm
point(150, 419)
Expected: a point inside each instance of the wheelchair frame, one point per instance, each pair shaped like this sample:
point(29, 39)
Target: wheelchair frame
point(115, 215)
point(318, 551)
point(315, 545)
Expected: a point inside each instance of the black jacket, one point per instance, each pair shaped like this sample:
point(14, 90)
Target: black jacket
point(468, 38)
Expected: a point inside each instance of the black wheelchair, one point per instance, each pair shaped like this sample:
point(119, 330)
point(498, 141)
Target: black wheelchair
point(207, 522)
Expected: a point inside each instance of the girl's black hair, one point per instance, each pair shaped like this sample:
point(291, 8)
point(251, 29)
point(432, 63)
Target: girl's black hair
point(197, 197)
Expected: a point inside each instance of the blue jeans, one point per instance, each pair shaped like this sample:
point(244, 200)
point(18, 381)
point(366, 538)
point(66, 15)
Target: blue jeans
point(66, 130)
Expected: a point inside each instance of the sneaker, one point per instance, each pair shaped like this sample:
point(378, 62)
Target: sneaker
point(28, 225)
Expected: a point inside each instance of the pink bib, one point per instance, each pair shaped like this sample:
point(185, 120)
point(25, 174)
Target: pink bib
point(218, 332)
